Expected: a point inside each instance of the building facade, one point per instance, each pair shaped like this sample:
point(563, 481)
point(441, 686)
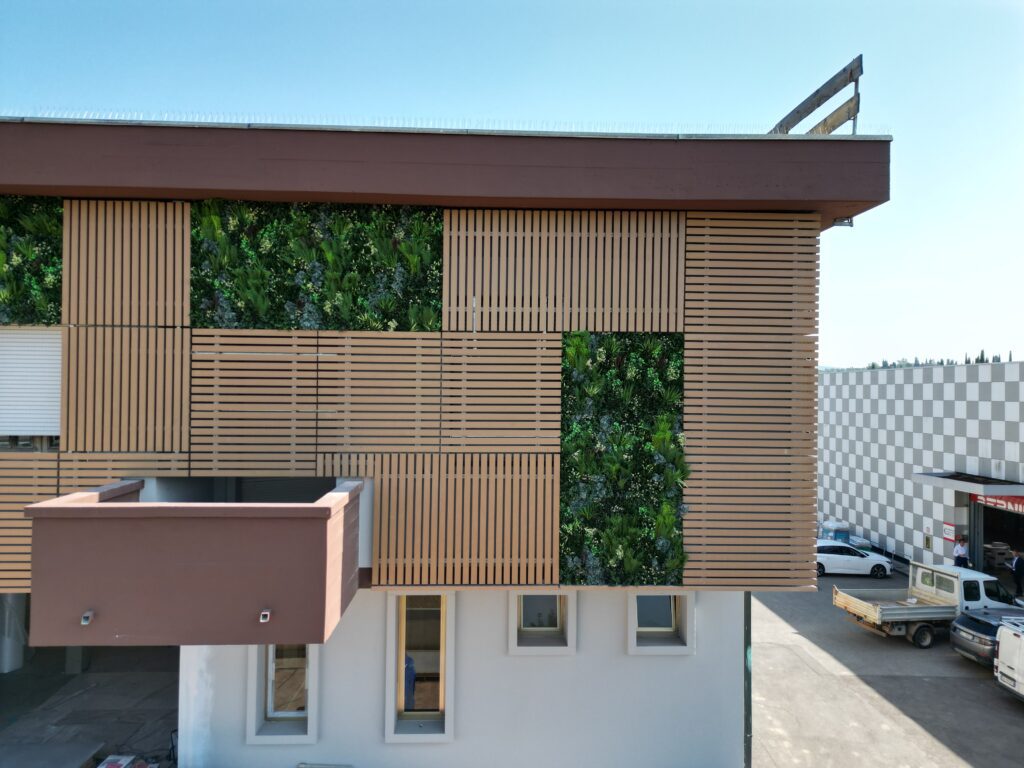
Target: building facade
point(913, 457)
point(354, 536)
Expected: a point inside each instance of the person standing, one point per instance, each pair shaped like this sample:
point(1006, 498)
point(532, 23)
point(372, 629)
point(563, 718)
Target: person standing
point(1017, 566)
point(960, 553)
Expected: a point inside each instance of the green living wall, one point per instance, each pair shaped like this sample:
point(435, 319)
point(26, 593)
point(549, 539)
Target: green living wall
point(623, 461)
point(30, 260)
point(310, 266)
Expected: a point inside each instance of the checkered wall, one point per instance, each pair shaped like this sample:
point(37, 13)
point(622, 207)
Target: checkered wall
point(876, 428)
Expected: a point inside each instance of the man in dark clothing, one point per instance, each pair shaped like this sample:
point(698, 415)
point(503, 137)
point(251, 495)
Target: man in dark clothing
point(1017, 566)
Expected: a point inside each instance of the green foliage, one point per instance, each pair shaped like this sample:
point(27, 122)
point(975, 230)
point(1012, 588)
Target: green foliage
point(270, 265)
point(623, 462)
point(30, 260)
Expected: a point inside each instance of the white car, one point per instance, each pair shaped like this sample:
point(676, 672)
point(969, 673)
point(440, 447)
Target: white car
point(837, 557)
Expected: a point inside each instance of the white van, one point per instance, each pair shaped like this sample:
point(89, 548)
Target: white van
point(1009, 661)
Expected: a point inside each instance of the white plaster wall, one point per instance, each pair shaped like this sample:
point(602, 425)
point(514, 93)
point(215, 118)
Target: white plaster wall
point(599, 707)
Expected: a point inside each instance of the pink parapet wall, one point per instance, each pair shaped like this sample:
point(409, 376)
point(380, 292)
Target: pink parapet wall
point(110, 570)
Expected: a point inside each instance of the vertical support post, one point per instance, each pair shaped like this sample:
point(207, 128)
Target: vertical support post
point(748, 714)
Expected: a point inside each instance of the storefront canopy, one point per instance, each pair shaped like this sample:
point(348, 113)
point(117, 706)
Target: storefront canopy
point(977, 484)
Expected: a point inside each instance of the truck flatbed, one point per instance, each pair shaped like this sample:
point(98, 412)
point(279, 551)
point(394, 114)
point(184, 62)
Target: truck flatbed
point(887, 606)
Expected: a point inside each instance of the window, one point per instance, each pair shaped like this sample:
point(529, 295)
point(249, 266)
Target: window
point(656, 614)
point(419, 667)
point(541, 623)
point(996, 591)
point(282, 694)
point(927, 579)
point(660, 622)
point(945, 584)
point(972, 591)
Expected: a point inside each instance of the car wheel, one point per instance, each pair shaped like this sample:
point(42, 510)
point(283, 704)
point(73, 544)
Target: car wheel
point(821, 569)
point(924, 637)
point(878, 571)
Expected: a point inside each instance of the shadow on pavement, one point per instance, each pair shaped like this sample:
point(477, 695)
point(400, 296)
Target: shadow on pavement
point(954, 700)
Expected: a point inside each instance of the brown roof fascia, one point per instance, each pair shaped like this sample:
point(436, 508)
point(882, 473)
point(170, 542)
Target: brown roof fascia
point(836, 176)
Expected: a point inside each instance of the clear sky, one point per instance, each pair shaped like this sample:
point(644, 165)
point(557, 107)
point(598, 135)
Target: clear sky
point(937, 271)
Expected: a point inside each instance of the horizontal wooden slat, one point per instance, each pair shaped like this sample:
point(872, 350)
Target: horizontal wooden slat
point(280, 396)
point(25, 478)
point(496, 395)
point(82, 471)
point(750, 400)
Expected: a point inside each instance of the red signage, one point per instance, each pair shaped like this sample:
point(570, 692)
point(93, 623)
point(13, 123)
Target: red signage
point(1009, 503)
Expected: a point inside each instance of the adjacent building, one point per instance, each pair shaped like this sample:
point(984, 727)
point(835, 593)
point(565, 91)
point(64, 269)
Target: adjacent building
point(914, 457)
point(354, 536)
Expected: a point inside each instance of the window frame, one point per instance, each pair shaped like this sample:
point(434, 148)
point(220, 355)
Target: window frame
point(681, 640)
point(269, 713)
point(542, 641)
point(418, 727)
point(674, 629)
point(302, 728)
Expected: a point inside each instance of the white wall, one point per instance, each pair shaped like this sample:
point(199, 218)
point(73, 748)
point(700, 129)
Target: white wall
point(29, 381)
point(598, 707)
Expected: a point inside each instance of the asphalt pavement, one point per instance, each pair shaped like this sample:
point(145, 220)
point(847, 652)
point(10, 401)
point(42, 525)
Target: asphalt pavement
point(828, 693)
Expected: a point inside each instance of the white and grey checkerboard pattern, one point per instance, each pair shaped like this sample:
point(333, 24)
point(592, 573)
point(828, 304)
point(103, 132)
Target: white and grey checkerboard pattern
point(876, 428)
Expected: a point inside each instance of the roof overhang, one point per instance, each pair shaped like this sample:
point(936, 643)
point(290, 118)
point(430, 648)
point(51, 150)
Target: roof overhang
point(978, 484)
point(835, 176)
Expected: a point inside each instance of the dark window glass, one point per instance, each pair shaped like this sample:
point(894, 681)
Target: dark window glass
point(421, 653)
point(972, 591)
point(996, 591)
point(539, 612)
point(655, 612)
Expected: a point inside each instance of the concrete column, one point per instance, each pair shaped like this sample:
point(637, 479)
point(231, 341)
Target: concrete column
point(12, 632)
point(76, 659)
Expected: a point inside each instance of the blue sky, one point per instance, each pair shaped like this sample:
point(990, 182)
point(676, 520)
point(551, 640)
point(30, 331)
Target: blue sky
point(937, 271)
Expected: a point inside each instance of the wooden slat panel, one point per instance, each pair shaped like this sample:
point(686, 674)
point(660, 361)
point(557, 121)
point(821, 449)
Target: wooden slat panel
point(501, 391)
point(82, 471)
point(253, 402)
point(121, 388)
point(460, 519)
point(749, 400)
point(281, 397)
point(378, 391)
point(25, 478)
point(562, 270)
point(126, 263)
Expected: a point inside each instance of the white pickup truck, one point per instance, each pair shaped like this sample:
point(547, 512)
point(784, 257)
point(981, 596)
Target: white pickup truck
point(1009, 660)
point(937, 594)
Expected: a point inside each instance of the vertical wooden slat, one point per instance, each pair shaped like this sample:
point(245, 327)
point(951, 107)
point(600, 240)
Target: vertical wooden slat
point(565, 270)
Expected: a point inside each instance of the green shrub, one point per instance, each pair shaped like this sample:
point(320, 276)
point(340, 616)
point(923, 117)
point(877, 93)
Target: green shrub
point(30, 260)
point(269, 265)
point(623, 462)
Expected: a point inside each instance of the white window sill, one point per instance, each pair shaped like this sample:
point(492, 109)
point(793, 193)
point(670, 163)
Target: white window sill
point(648, 646)
point(541, 645)
point(412, 731)
point(282, 732)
